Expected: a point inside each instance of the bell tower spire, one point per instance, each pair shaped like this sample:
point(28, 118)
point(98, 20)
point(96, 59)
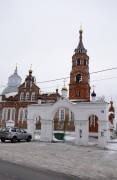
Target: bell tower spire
point(80, 48)
point(79, 87)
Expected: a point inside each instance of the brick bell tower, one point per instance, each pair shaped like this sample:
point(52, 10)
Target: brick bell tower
point(79, 87)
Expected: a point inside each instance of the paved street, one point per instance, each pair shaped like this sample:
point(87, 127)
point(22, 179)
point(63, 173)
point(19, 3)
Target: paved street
point(12, 171)
point(86, 162)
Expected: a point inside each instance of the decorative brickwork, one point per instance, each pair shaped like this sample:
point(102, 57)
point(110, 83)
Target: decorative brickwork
point(14, 105)
point(79, 87)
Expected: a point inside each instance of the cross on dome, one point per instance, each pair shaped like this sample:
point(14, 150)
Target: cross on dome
point(64, 87)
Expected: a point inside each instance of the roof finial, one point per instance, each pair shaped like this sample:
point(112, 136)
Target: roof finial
point(30, 70)
point(16, 69)
point(31, 67)
point(81, 27)
point(111, 109)
point(57, 89)
point(111, 100)
point(81, 31)
point(93, 87)
point(64, 87)
point(64, 84)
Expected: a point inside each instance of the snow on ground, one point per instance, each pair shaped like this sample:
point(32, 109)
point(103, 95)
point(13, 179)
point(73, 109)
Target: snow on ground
point(70, 137)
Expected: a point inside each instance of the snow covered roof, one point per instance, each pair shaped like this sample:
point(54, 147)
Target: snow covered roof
point(10, 94)
point(14, 81)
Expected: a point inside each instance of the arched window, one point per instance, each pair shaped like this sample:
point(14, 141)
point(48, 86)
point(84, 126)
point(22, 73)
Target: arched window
point(25, 114)
point(85, 62)
point(21, 114)
point(5, 114)
point(12, 114)
point(78, 78)
point(22, 98)
point(71, 116)
point(62, 114)
point(33, 96)
point(78, 62)
point(27, 96)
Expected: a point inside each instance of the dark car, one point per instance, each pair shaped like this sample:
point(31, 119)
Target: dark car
point(14, 134)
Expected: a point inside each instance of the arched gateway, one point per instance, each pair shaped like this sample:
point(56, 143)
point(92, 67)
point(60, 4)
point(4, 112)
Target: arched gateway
point(81, 110)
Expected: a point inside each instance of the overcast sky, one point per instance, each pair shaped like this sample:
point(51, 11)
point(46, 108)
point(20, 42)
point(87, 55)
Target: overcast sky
point(45, 33)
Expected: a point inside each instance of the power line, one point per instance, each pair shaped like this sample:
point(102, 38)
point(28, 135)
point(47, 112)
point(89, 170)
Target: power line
point(53, 80)
point(104, 79)
point(90, 81)
point(58, 79)
point(103, 70)
point(69, 77)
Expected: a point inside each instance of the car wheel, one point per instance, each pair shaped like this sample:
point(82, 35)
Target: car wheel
point(14, 139)
point(28, 139)
point(3, 140)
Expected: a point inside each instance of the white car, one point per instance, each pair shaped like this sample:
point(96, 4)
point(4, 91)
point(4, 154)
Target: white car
point(14, 134)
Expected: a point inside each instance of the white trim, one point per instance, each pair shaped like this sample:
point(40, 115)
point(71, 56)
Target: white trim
point(20, 118)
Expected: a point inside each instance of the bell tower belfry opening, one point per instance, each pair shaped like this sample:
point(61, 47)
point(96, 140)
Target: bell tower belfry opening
point(79, 87)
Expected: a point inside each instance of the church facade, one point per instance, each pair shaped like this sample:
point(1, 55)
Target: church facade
point(18, 101)
point(16, 97)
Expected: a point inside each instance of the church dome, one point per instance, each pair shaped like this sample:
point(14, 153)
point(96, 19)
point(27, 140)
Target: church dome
point(93, 94)
point(14, 81)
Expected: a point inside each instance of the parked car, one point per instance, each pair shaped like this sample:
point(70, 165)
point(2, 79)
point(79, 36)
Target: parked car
point(14, 134)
